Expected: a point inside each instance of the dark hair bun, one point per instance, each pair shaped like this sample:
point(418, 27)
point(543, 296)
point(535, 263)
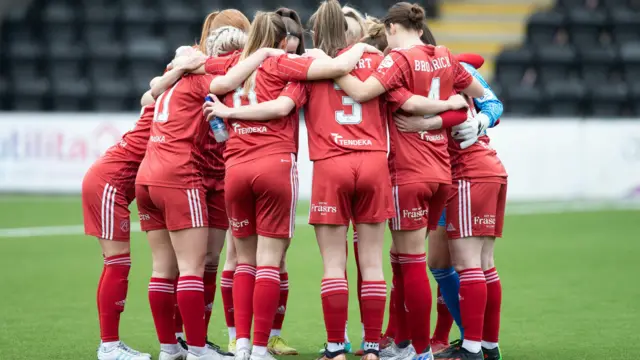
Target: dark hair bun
point(416, 15)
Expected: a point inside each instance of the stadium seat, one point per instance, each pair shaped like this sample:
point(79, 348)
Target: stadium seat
point(634, 98)
point(543, 26)
point(25, 60)
point(630, 56)
point(70, 95)
point(565, 98)
point(66, 61)
point(608, 100)
point(625, 25)
point(523, 100)
point(570, 4)
point(112, 95)
point(512, 64)
point(598, 64)
point(139, 19)
point(585, 26)
point(30, 95)
point(556, 63)
point(59, 20)
point(180, 24)
point(146, 60)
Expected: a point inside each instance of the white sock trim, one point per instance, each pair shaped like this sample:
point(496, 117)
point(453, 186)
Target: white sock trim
point(259, 350)
point(489, 345)
point(275, 332)
point(333, 347)
point(232, 333)
point(472, 346)
point(243, 344)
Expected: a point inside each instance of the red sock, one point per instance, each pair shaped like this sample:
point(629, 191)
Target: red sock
point(178, 325)
point(417, 297)
point(403, 332)
point(335, 306)
point(444, 321)
point(390, 332)
point(359, 281)
point(209, 279)
point(162, 299)
point(226, 289)
point(191, 301)
point(243, 286)
point(112, 294)
point(473, 301)
point(265, 302)
point(492, 311)
point(282, 304)
point(374, 297)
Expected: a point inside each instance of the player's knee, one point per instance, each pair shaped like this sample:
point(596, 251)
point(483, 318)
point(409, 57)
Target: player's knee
point(488, 260)
point(212, 259)
point(164, 269)
point(113, 248)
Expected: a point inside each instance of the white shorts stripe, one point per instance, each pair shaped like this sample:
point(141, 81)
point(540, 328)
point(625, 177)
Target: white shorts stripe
point(469, 218)
point(294, 195)
point(395, 222)
point(198, 205)
point(191, 210)
point(107, 212)
point(461, 223)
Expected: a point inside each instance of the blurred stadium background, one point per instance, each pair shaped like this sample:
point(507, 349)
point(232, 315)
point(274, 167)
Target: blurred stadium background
point(567, 71)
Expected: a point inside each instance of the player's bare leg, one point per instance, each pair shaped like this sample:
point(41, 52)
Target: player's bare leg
point(162, 298)
point(334, 290)
point(374, 288)
point(190, 246)
point(277, 344)
point(111, 295)
point(467, 260)
point(491, 328)
point(410, 247)
point(226, 290)
point(439, 261)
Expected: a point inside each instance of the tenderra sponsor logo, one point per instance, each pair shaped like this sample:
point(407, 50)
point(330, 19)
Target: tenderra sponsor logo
point(415, 213)
point(156, 139)
point(487, 220)
point(338, 139)
point(424, 135)
point(324, 208)
point(237, 128)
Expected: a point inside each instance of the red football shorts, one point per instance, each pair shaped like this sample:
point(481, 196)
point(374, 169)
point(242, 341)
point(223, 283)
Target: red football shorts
point(354, 186)
point(261, 196)
point(418, 205)
point(476, 209)
point(105, 208)
point(217, 210)
point(171, 208)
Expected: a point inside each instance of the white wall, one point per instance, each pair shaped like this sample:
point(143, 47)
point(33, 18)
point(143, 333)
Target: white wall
point(547, 159)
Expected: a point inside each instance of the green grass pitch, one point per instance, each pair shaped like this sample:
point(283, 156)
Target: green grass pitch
point(570, 285)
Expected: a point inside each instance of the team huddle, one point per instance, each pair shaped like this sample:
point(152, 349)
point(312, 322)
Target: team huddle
point(397, 135)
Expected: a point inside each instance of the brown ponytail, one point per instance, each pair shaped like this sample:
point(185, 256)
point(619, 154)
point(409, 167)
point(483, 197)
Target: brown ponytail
point(329, 27)
point(267, 31)
point(357, 27)
point(294, 26)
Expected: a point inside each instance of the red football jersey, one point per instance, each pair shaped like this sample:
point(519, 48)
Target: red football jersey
point(277, 76)
point(479, 161)
point(428, 71)
point(178, 136)
point(337, 124)
point(119, 164)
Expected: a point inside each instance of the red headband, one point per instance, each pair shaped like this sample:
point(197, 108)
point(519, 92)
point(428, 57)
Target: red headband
point(474, 60)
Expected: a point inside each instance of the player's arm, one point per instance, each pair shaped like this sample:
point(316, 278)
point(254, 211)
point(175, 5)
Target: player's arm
point(416, 123)
point(265, 111)
point(360, 91)
point(325, 67)
point(164, 82)
point(490, 106)
point(239, 73)
point(420, 105)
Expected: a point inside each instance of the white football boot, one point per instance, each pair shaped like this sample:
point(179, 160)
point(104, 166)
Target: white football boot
point(119, 350)
point(179, 354)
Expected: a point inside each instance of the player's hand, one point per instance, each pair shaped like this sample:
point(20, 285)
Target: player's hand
point(371, 49)
point(215, 108)
point(409, 123)
point(466, 133)
point(270, 52)
point(457, 102)
point(316, 54)
point(194, 61)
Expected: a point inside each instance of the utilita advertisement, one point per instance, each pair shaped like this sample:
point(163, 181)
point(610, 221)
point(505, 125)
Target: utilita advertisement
point(547, 159)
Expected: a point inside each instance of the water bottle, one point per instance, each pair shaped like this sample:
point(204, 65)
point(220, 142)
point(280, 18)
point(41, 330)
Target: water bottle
point(218, 127)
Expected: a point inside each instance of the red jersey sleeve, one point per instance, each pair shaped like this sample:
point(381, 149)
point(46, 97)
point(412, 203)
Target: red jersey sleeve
point(297, 92)
point(392, 71)
point(290, 67)
point(219, 65)
point(462, 78)
point(397, 97)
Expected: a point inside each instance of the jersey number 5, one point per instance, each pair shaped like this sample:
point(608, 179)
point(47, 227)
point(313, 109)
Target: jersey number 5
point(342, 117)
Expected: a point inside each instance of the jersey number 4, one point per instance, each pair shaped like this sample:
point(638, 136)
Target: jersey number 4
point(342, 117)
point(434, 92)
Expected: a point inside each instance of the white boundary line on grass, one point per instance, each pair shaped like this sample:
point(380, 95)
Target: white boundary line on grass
point(515, 209)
